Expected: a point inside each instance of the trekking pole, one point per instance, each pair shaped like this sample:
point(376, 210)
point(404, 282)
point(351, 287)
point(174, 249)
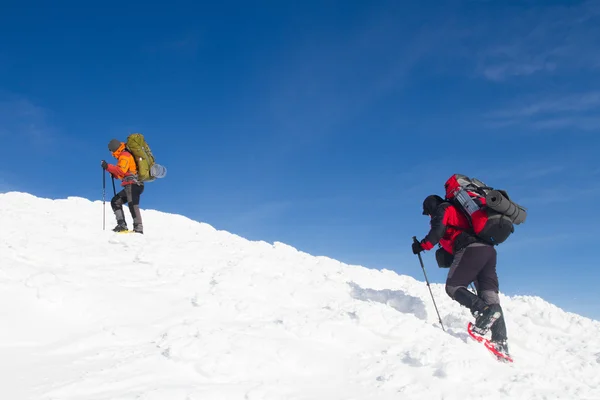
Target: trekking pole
point(114, 190)
point(427, 280)
point(103, 199)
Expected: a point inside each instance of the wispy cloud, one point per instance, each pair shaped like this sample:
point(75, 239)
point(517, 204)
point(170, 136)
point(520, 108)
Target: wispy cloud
point(570, 103)
point(541, 39)
point(23, 120)
point(523, 173)
point(319, 88)
point(501, 63)
point(575, 110)
point(590, 124)
point(562, 193)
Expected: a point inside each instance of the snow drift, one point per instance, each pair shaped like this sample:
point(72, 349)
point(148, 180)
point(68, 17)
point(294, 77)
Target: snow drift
point(188, 312)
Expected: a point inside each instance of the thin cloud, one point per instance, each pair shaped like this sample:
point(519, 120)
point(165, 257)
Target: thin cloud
point(562, 111)
point(323, 87)
point(541, 39)
point(528, 171)
point(542, 171)
point(23, 120)
point(588, 124)
point(562, 194)
point(579, 102)
point(525, 174)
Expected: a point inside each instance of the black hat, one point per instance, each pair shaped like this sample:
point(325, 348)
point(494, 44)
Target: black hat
point(431, 203)
point(114, 145)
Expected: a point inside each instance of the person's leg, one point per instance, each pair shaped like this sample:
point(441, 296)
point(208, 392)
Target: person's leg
point(117, 206)
point(488, 290)
point(134, 193)
point(465, 268)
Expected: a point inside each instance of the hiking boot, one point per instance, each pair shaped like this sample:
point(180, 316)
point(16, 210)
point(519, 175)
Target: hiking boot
point(485, 319)
point(138, 228)
point(121, 227)
point(499, 329)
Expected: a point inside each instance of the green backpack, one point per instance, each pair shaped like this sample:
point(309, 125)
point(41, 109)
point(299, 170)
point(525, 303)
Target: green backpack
point(147, 169)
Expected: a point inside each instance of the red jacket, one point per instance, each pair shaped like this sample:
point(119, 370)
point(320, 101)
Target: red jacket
point(450, 228)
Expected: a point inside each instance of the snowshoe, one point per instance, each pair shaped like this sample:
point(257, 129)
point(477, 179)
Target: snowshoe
point(498, 349)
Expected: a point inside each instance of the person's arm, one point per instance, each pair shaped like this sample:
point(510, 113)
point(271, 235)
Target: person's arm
point(119, 170)
point(437, 230)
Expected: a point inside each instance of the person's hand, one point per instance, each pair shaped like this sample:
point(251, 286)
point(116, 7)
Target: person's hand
point(104, 164)
point(416, 247)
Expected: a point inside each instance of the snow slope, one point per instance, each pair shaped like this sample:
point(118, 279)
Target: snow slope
point(186, 312)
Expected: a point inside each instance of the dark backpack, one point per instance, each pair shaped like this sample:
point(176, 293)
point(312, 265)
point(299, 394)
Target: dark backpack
point(491, 212)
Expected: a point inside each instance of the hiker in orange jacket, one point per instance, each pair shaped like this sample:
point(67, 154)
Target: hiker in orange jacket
point(126, 171)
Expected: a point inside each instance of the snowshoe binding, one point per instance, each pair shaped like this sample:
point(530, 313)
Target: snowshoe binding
point(485, 319)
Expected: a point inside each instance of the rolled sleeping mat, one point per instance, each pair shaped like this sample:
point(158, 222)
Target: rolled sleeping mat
point(521, 215)
point(497, 202)
point(158, 171)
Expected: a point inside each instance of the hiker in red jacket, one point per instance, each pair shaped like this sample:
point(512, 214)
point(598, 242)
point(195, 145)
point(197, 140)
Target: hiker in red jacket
point(472, 261)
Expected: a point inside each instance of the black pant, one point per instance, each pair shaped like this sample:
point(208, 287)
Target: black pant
point(130, 195)
point(476, 263)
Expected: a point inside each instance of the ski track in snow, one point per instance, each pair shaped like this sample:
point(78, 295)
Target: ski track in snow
point(187, 312)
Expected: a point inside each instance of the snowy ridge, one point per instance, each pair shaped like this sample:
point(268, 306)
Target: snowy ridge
point(188, 312)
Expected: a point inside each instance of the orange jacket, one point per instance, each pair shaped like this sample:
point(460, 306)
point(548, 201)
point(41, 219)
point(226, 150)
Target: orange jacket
point(126, 169)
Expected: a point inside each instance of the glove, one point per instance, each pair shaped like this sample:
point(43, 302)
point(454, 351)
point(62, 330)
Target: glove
point(104, 164)
point(417, 248)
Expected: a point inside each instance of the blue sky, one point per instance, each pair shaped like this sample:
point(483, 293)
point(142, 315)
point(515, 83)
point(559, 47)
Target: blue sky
point(322, 124)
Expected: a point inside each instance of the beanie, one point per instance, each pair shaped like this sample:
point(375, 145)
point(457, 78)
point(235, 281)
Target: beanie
point(114, 145)
point(431, 203)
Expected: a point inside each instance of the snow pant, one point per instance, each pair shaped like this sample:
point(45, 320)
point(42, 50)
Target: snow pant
point(476, 263)
point(130, 195)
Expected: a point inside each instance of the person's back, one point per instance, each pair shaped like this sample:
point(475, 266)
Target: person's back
point(449, 227)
